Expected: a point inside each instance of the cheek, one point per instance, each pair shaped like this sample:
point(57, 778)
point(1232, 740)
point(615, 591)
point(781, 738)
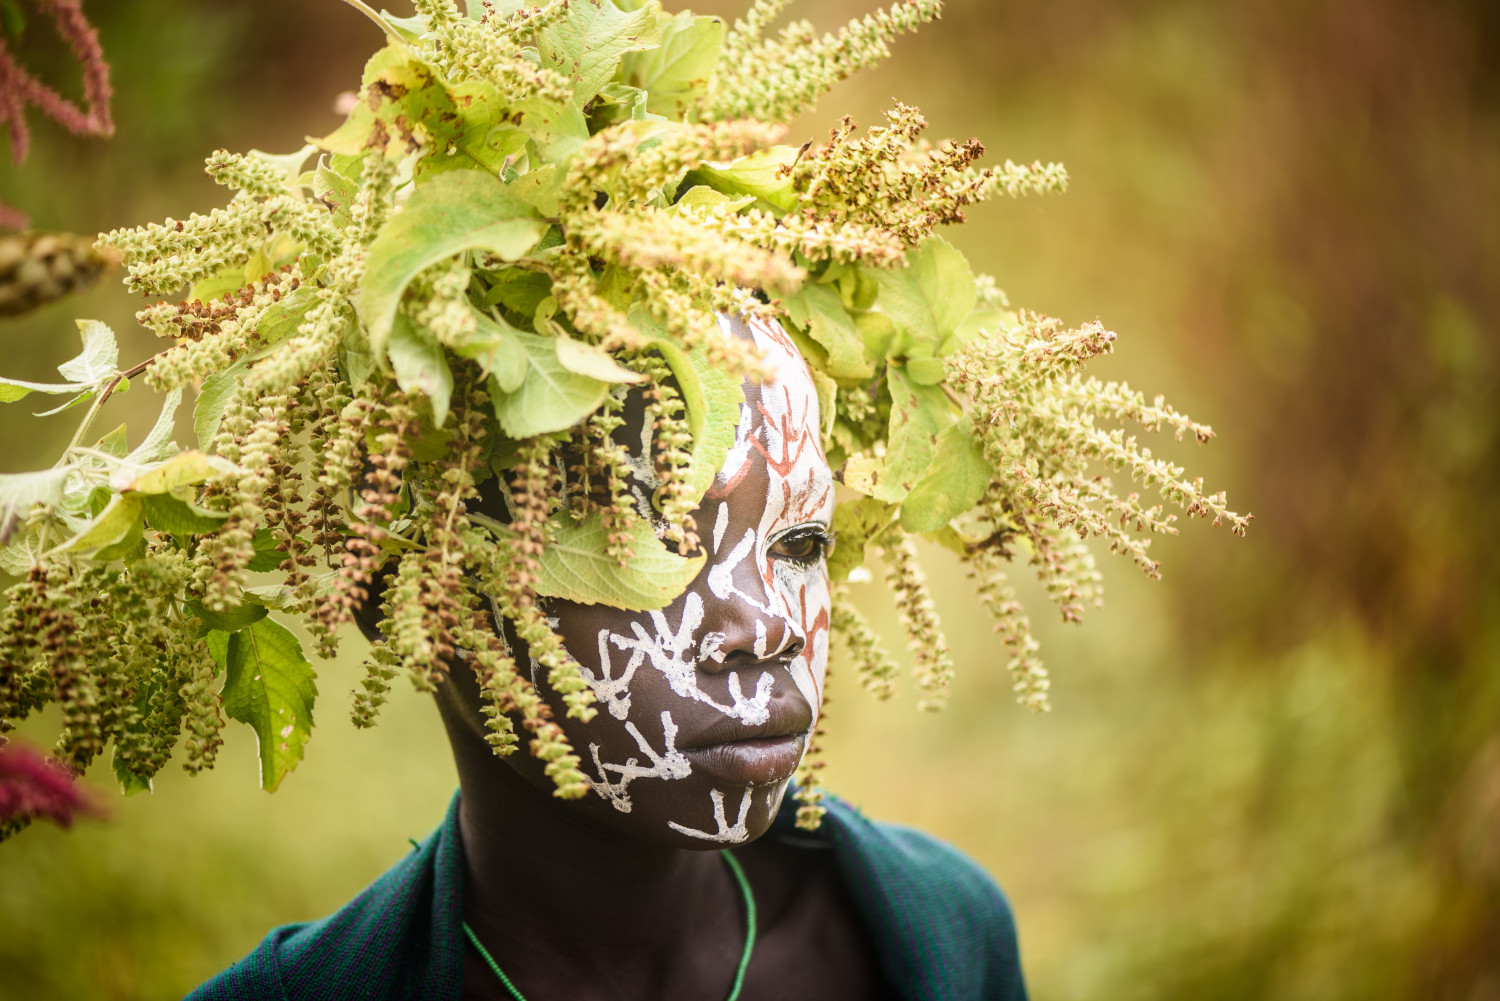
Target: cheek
point(810, 667)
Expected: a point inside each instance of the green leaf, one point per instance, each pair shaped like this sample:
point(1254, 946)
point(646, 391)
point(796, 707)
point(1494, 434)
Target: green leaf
point(290, 164)
point(702, 196)
point(100, 358)
point(677, 73)
point(112, 525)
point(586, 46)
point(269, 686)
point(518, 290)
point(213, 396)
point(130, 783)
point(857, 523)
point(158, 444)
point(757, 174)
point(551, 398)
point(919, 414)
point(454, 212)
point(932, 295)
point(230, 620)
point(115, 443)
point(586, 359)
point(12, 390)
point(337, 192)
point(539, 188)
point(556, 129)
point(819, 309)
point(420, 367)
point(282, 318)
point(575, 567)
point(926, 371)
point(712, 399)
point(267, 557)
point(181, 470)
point(957, 479)
point(214, 286)
point(169, 514)
point(498, 351)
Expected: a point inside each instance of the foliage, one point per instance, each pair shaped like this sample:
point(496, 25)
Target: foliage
point(523, 216)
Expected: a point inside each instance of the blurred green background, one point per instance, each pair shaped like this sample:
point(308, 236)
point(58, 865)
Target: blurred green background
point(1274, 774)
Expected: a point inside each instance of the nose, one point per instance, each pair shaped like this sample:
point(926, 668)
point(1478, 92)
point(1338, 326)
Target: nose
point(748, 635)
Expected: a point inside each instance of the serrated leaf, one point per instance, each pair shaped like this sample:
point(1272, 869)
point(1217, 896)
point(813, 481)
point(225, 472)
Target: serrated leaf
point(575, 567)
point(336, 191)
point(181, 470)
point(919, 414)
point(757, 174)
point(819, 309)
point(932, 295)
point(586, 46)
point(857, 523)
point(230, 620)
point(417, 359)
point(174, 516)
point(557, 130)
point(955, 482)
point(213, 396)
point(518, 290)
point(112, 525)
point(100, 358)
point(270, 687)
point(551, 398)
point(454, 212)
point(586, 359)
point(676, 73)
point(539, 188)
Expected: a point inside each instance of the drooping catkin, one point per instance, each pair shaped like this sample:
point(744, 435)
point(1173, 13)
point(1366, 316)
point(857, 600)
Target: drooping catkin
point(932, 663)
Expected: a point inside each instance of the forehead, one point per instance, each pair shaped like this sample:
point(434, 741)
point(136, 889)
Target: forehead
point(778, 452)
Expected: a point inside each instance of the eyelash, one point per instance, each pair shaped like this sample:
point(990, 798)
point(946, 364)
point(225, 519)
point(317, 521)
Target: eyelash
point(822, 538)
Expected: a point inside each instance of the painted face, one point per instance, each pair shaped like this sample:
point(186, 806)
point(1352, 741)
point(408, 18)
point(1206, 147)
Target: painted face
point(706, 706)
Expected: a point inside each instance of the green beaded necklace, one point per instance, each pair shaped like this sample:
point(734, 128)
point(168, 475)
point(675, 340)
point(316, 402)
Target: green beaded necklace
point(739, 974)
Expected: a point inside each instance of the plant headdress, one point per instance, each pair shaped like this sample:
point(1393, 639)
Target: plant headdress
point(528, 211)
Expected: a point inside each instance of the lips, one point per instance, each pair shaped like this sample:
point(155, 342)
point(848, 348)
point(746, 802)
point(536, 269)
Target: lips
point(752, 755)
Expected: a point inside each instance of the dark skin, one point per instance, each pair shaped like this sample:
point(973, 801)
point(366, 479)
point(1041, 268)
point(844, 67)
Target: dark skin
point(704, 709)
point(547, 891)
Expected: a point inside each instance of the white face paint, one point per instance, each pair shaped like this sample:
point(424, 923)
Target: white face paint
point(742, 652)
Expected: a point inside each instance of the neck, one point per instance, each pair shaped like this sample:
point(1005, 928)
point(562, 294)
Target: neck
point(544, 885)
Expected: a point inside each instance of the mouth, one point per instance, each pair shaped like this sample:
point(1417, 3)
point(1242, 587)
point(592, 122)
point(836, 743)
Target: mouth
point(762, 754)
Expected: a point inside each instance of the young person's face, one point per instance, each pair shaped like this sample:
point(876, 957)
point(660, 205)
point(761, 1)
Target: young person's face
point(706, 707)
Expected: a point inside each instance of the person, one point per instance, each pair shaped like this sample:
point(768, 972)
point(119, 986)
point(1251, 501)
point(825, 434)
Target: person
point(682, 876)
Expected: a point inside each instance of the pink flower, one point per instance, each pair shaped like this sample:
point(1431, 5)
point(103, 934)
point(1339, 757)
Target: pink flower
point(33, 785)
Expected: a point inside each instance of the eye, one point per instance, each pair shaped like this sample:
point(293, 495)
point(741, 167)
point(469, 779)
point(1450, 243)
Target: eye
point(805, 545)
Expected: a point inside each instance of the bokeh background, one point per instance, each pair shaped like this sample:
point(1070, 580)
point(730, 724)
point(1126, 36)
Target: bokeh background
point(1276, 773)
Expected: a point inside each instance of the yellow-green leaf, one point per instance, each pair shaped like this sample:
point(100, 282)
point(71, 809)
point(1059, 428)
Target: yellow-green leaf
point(575, 567)
point(269, 686)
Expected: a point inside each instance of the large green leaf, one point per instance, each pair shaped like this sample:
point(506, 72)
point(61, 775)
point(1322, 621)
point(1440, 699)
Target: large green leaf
point(181, 470)
point(932, 295)
point(12, 390)
point(269, 686)
point(20, 492)
point(453, 212)
point(417, 359)
point(575, 567)
point(551, 398)
point(819, 309)
point(919, 414)
point(757, 174)
point(676, 73)
point(955, 482)
point(213, 396)
point(586, 46)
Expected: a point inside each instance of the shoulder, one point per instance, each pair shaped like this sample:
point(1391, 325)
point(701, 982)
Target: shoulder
point(398, 938)
point(944, 927)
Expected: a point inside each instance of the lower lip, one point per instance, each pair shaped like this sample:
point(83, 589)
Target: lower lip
point(750, 762)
